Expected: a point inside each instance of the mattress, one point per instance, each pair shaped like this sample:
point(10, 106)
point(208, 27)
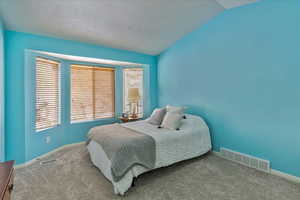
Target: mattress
point(192, 140)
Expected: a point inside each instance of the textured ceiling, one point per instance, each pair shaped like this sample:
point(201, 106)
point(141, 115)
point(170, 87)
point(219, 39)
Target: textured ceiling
point(146, 26)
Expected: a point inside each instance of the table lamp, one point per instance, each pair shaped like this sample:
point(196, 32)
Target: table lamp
point(133, 98)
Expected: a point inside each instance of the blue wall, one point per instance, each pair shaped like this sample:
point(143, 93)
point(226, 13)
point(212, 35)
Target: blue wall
point(2, 155)
point(15, 46)
point(241, 73)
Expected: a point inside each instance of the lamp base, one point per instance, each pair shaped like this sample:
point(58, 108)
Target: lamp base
point(134, 116)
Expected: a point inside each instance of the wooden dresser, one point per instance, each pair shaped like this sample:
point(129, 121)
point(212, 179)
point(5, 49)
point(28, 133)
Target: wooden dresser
point(6, 180)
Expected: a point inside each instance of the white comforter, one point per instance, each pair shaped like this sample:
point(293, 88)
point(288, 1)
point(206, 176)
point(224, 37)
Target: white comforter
point(192, 140)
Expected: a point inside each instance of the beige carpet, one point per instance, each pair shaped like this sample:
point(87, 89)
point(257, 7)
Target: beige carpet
point(209, 177)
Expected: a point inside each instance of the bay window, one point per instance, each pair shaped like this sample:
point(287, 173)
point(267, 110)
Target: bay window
point(133, 87)
point(47, 106)
point(92, 93)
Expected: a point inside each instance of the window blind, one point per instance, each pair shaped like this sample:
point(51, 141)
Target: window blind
point(92, 93)
point(47, 93)
point(133, 78)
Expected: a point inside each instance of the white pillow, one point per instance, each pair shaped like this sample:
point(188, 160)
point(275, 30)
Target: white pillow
point(157, 116)
point(175, 109)
point(172, 121)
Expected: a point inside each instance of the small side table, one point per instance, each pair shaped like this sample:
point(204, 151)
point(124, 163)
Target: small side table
point(128, 119)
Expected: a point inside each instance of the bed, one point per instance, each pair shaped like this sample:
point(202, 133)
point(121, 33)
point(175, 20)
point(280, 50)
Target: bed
point(171, 146)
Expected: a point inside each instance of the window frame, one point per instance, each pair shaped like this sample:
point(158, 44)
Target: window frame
point(59, 121)
point(123, 87)
point(114, 68)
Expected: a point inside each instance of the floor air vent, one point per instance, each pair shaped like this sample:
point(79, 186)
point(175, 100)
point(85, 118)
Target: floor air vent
point(45, 162)
point(244, 159)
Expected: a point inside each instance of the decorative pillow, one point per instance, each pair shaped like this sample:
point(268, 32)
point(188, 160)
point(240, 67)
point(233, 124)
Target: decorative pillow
point(172, 121)
point(175, 109)
point(157, 116)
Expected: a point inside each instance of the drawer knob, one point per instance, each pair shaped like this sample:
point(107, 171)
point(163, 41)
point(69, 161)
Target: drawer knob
point(11, 187)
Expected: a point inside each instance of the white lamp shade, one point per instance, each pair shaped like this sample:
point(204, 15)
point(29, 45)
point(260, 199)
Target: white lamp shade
point(133, 94)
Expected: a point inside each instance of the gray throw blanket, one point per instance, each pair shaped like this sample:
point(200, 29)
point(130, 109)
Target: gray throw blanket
point(124, 148)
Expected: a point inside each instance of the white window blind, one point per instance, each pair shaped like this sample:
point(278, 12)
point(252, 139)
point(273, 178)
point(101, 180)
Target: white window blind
point(92, 93)
point(133, 78)
point(47, 93)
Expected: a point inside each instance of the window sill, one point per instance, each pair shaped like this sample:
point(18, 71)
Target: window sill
point(46, 129)
point(94, 120)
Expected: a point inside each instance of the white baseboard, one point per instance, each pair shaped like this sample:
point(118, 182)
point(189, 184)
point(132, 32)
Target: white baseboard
point(289, 177)
point(275, 172)
point(30, 162)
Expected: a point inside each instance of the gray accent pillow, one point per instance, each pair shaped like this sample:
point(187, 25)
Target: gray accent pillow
point(157, 116)
point(172, 121)
point(175, 109)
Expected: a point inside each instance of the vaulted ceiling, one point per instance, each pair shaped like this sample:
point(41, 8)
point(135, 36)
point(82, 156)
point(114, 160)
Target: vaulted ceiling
point(146, 26)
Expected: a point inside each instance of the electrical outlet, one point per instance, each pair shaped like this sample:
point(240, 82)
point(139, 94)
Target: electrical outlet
point(48, 139)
